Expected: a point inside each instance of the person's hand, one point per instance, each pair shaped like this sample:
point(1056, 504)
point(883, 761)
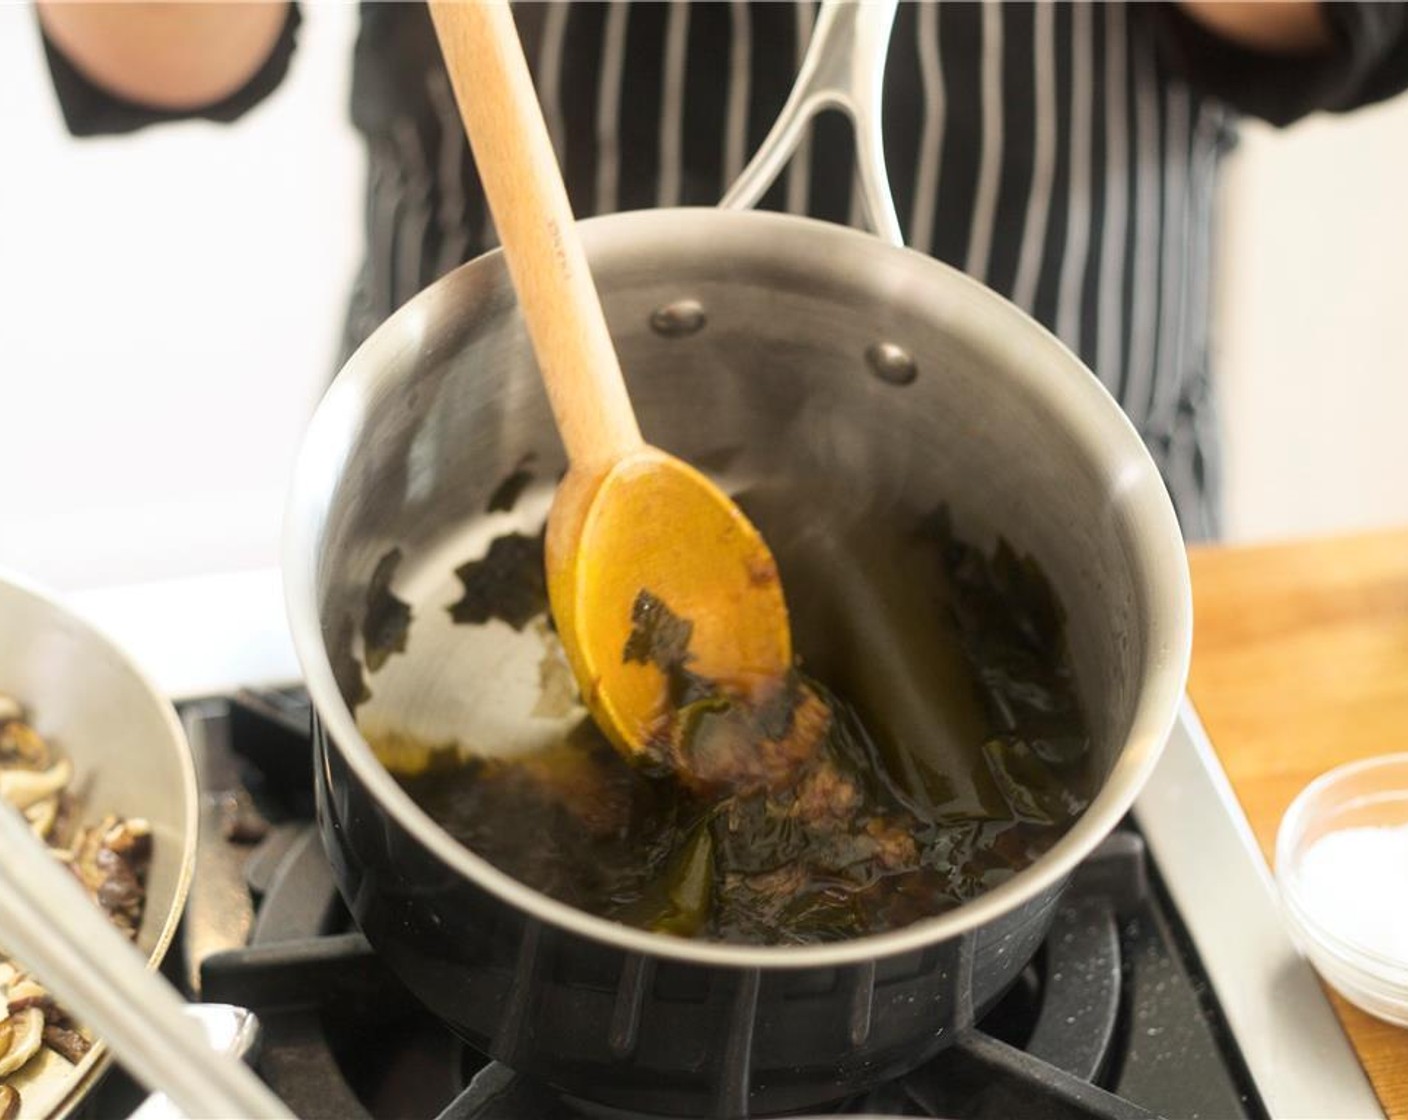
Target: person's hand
point(177, 56)
point(1289, 27)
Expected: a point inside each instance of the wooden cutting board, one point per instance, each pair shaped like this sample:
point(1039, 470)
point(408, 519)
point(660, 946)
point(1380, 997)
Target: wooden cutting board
point(1300, 663)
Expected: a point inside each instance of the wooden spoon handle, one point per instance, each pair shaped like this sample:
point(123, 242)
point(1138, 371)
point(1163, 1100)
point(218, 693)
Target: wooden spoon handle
point(529, 202)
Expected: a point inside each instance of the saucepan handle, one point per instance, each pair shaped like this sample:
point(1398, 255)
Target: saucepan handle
point(844, 69)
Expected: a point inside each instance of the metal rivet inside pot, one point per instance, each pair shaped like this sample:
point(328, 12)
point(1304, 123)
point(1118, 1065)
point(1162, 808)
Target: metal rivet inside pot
point(891, 363)
point(674, 320)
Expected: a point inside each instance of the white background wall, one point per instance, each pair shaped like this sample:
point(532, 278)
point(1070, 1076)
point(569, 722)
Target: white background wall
point(170, 305)
point(170, 310)
point(1313, 325)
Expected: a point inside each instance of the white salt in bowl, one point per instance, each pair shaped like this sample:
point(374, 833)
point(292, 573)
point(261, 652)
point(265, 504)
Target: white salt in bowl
point(1342, 868)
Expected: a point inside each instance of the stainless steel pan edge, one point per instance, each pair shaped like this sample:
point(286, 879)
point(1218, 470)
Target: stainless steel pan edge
point(1140, 514)
point(129, 752)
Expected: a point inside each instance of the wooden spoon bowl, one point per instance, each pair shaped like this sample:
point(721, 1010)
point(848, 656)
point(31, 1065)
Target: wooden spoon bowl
point(655, 530)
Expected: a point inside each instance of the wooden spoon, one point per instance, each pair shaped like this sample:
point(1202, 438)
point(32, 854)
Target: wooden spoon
point(628, 518)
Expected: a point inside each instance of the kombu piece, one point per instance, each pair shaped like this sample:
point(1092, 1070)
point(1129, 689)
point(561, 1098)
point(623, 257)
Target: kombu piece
point(785, 824)
point(346, 669)
point(507, 584)
point(507, 492)
point(659, 637)
point(1012, 631)
point(387, 620)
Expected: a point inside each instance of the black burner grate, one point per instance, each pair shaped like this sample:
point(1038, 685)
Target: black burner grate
point(1111, 1020)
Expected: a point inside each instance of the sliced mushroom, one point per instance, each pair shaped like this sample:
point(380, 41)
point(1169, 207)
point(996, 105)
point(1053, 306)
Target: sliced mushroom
point(23, 747)
point(26, 1035)
point(23, 788)
point(81, 858)
point(63, 836)
point(67, 1042)
point(26, 993)
point(42, 815)
point(131, 838)
point(111, 860)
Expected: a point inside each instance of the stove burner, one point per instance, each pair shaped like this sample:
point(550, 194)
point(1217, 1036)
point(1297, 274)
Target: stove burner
point(1109, 1021)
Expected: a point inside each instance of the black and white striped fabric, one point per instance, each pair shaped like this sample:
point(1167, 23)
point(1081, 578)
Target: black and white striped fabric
point(1042, 148)
point(1065, 154)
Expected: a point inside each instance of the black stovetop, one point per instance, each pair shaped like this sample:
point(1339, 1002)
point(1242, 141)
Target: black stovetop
point(1113, 1018)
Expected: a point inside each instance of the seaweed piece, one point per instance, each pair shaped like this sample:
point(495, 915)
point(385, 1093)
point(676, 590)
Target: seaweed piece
point(658, 636)
point(690, 886)
point(680, 901)
point(507, 492)
point(387, 621)
point(1012, 631)
point(947, 850)
point(346, 669)
point(1030, 788)
point(508, 583)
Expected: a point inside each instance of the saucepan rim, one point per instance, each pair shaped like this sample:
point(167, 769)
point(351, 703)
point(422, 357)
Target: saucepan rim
point(1109, 434)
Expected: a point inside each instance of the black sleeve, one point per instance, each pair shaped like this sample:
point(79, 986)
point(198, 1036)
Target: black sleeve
point(90, 110)
point(1367, 62)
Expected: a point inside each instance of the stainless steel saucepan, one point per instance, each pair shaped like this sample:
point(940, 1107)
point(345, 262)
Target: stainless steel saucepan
point(840, 380)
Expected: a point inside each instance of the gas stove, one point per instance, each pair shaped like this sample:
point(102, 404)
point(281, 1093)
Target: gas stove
point(1119, 1015)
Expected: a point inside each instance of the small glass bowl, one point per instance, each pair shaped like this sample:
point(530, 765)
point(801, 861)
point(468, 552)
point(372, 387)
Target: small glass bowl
point(1373, 792)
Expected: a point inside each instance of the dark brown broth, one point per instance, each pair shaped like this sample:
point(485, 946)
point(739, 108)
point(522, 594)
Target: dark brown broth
point(879, 827)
